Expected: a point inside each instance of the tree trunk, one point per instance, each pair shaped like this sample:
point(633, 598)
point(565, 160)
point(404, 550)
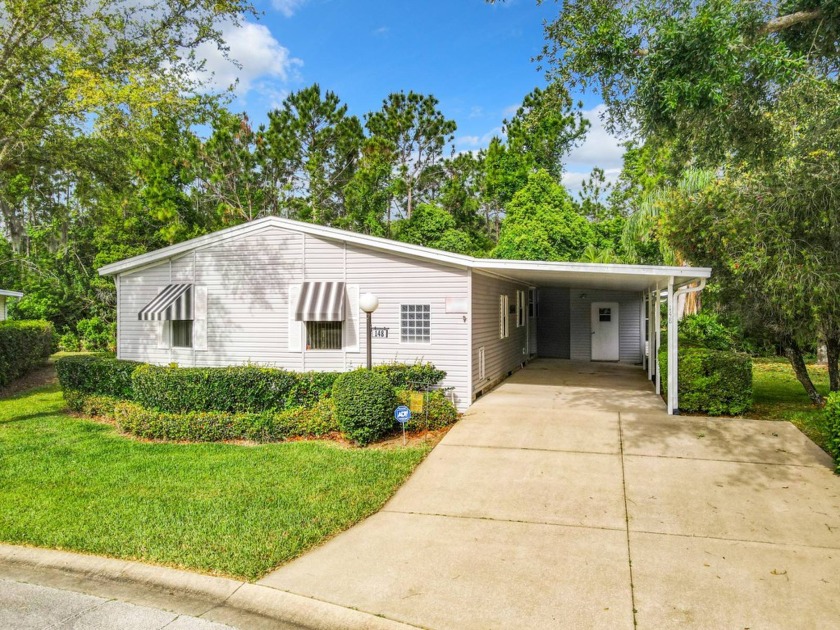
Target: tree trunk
point(797, 361)
point(832, 350)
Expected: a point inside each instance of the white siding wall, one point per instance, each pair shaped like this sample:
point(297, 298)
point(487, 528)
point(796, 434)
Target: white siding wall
point(629, 328)
point(501, 356)
point(248, 281)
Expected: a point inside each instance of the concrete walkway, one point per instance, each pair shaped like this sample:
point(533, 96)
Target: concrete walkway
point(568, 498)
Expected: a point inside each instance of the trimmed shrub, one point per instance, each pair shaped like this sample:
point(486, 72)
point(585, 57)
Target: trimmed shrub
point(91, 404)
point(832, 425)
point(713, 382)
point(197, 426)
point(239, 389)
point(310, 387)
point(24, 346)
point(410, 375)
point(364, 405)
point(438, 411)
point(96, 374)
point(316, 421)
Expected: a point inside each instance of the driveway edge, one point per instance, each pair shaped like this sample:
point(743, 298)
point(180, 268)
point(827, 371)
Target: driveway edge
point(213, 598)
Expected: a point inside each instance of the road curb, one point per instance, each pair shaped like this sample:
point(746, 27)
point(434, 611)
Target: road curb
point(225, 600)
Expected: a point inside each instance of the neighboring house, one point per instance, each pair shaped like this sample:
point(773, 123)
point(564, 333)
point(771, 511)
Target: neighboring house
point(4, 296)
point(285, 293)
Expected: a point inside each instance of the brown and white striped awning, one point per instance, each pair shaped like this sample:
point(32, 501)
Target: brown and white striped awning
point(321, 302)
point(175, 302)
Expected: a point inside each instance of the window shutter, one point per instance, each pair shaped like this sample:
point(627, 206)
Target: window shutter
point(200, 318)
point(163, 334)
point(294, 326)
point(353, 319)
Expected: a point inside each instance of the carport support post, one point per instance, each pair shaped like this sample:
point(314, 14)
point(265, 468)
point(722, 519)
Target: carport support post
point(650, 357)
point(673, 352)
point(657, 337)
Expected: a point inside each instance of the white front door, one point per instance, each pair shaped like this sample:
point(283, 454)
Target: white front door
point(604, 331)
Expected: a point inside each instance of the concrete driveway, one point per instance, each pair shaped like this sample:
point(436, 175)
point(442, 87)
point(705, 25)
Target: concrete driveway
point(568, 498)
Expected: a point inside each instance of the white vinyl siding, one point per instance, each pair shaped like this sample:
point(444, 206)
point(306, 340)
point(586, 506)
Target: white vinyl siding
point(500, 356)
point(251, 280)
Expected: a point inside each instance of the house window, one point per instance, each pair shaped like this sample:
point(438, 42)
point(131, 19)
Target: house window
point(415, 323)
point(604, 314)
point(520, 309)
point(182, 333)
point(323, 335)
point(504, 317)
point(533, 304)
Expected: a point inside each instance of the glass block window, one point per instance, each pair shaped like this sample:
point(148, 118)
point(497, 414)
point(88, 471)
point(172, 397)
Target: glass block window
point(323, 335)
point(415, 323)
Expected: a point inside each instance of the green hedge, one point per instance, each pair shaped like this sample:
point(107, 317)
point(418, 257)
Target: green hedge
point(364, 404)
point(240, 389)
point(438, 412)
point(220, 426)
point(91, 404)
point(832, 423)
point(96, 374)
point(24, 346)
point(713, 382)
point(410, 375)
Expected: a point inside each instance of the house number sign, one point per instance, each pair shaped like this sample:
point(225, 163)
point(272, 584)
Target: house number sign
point(380, 332)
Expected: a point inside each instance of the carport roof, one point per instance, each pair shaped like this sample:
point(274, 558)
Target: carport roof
point(590, 275)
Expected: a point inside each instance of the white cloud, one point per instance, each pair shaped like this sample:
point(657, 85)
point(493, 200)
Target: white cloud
point(262, 58)
point(573, 180)
point(467, 141)
point(381, 31)
point(510, 110)
point(476, 111)
point(600, 147)
point(287, 7)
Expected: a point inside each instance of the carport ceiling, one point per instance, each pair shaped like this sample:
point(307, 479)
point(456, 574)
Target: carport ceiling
point(591, 275)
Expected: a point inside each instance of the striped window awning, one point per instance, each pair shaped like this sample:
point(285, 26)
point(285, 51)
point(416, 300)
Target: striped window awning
point(175, 302)
point(321, 302)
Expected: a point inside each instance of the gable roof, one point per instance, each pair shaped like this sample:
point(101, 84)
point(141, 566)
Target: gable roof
point(622, 276)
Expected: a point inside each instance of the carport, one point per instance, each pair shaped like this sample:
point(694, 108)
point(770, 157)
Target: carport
point(592, 285)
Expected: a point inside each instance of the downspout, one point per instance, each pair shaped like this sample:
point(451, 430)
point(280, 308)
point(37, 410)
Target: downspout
point(673, 342)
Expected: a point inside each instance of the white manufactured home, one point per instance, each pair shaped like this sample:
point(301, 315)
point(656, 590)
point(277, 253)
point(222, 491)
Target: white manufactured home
point(284, 293)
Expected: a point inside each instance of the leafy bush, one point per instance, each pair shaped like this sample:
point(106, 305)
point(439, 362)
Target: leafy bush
point(24, 346)
point(97, 374)
point(316, 421)
point(705, 330)
point(310, 387)
point(91, 404)
point(714, 382)
point(364, 404)
point(832, 423)
point(96, 335)
point(69, 342)
point(408, 375)
point(196, 426)
point(438, 411)
point(240, 389)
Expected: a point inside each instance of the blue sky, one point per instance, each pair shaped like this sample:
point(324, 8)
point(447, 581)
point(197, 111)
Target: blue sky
point(474, 57)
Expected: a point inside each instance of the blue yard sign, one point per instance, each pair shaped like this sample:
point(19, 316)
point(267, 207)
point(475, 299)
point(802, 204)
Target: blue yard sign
point(402, 414)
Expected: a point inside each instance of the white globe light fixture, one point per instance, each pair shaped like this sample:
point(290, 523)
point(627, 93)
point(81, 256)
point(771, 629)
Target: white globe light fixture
point(368, 302)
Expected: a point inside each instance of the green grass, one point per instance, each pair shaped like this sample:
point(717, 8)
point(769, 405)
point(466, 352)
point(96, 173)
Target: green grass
point(227, 509)
point(777, 395)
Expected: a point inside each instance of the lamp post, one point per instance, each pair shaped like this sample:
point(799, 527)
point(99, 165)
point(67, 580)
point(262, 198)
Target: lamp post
point(369, 303)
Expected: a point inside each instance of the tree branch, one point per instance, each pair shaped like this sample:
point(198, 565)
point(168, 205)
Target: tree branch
point(784, 22)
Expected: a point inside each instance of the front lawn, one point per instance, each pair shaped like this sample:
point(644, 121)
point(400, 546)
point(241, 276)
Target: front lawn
point(228, 509)
point(777, 395)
